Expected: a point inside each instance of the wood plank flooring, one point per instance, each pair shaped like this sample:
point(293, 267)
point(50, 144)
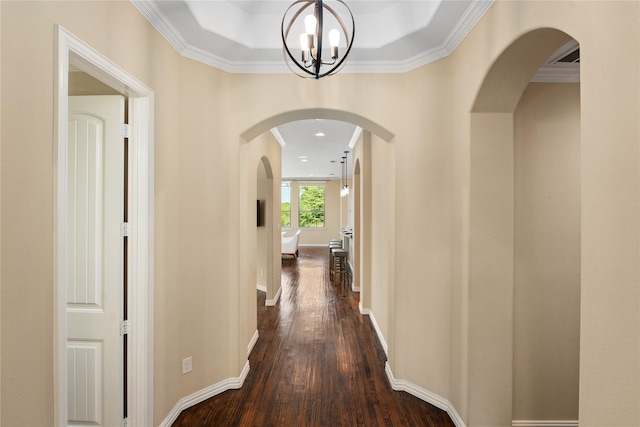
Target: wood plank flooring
point(318, 362)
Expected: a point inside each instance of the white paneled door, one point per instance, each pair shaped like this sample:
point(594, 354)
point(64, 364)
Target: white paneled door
point(95, 254)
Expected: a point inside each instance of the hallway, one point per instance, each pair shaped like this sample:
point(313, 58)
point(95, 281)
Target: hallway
point(317, 362)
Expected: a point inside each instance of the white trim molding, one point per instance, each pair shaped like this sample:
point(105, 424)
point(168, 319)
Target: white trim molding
point(278, 136)
point(175, 38)
point(557, 73)
point(383, 342)
point(363, 311)
point(261, 288)
point(424, 394)
point(70, 51)
point(544, 423)
point(252, 343)
point(274, 301)
point(204, 394)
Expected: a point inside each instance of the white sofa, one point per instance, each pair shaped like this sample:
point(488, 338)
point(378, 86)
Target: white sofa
point(290, 244)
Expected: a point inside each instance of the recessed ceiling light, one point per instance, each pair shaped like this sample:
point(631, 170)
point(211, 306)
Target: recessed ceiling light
point(320, 134)
point(302, 157)
point(304, 160)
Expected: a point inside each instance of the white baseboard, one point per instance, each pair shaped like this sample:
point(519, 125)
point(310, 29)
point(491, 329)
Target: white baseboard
point(252, 343)
point(313, 245)
point(383, 342)
point(355, 288)
point(204, 394)
point(274, 301)
point(261, 288)
point(423, 394)
point(363, 311)
point(544, 423)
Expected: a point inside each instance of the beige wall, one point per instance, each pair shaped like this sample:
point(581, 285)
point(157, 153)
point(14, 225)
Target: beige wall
point(259, 250)
point(484, 284)
point(192, 156)
point(547, 253)
point(423, 232)
point(363, 224)
point(450, 322)
point(382, 227)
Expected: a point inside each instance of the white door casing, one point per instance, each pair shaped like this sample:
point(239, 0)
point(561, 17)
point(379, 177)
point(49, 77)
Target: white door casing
point(71, 51)
point(95, 260)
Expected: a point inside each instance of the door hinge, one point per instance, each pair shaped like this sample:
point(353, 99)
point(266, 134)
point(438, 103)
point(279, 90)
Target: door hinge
point(124, 229)
point(125, 422)
point(124, 327)
point(125, 130)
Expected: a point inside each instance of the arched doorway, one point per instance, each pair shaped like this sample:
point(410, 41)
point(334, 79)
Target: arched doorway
point(258, 139)
point(501, 244)
point(265, 201)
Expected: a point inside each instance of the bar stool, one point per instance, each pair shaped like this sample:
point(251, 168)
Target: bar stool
point(340, 266)
point(337, 244)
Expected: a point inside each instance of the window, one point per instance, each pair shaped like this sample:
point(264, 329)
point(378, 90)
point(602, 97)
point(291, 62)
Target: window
point(311, 211)
point(285, 205)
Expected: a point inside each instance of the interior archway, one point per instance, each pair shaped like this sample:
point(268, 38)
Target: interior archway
point(258, 137)
point(357, 229)
point(316, 113)
point(492, 221)
point(265, 227)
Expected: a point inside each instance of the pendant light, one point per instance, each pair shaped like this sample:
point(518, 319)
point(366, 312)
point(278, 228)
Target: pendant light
point(309, 64)
point(344, 191)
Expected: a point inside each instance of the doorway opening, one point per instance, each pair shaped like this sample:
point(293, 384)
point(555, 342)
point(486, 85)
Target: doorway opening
point(257, 141)
point(525, 259)
point(133, 311)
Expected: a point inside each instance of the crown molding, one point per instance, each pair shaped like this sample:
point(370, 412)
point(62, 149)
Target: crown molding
point(278, 136)
point(557, 73)
point(471, 16)
point(354, 138)
point(544, 423)
point(164, 26)
point(161, 23)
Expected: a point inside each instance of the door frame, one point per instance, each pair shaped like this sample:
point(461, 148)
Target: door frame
point(70, 50)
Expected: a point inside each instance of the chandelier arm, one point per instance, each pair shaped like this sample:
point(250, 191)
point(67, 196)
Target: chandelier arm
point(349, 45)
point(319, 33)
point(285, 34)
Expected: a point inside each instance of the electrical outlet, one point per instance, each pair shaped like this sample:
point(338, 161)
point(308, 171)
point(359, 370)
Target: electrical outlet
point(186, 365)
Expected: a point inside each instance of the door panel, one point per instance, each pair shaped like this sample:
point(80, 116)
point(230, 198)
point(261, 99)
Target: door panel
point(85, 382)
point(85, 185)
point(95, 260)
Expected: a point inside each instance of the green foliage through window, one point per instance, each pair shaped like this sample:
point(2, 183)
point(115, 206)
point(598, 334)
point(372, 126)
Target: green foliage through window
point(311, 209)
point(285, 205)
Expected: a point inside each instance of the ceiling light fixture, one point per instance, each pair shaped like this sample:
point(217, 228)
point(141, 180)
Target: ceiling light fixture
point(312, 38)
point(320, 134)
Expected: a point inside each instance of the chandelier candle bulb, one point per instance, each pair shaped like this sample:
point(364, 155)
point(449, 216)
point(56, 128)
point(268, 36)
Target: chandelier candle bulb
point(334, 41)
point(310, 23)
point(304, 46)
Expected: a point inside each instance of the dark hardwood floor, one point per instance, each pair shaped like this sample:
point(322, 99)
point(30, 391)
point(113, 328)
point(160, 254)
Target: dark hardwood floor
point(318, 362)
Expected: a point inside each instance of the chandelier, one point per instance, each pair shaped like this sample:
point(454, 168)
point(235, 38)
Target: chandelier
point(309, 33)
